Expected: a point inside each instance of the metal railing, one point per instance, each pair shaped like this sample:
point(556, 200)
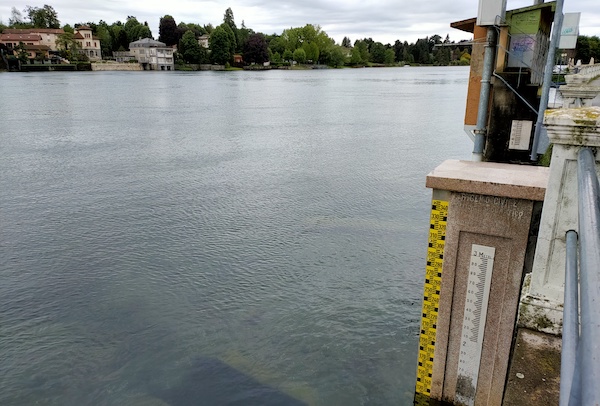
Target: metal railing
point(580, 359)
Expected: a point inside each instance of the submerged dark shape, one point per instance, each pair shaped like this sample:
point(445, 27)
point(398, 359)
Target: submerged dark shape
point(213, 382)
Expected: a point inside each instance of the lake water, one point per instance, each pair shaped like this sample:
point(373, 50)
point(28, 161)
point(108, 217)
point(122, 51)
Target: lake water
point(218, 237)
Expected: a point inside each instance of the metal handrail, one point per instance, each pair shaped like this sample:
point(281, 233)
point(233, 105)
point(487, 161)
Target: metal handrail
point(581, 332)
point(570, 335)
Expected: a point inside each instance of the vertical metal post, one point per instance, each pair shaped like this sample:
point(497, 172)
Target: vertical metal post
point(570, 336)
point(556, 29)
point(484, 94)
point(589, 232)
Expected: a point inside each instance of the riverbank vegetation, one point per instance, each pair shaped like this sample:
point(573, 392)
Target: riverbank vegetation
point(229, 45)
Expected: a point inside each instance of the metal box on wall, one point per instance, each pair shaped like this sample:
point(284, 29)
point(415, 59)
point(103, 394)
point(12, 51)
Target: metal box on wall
point(489, 10)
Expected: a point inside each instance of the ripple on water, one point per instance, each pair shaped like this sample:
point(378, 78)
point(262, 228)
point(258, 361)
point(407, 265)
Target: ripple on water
point(271, 223)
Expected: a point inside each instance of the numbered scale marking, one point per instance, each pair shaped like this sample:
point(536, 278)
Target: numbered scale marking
point(431, 299)
point(476, 303)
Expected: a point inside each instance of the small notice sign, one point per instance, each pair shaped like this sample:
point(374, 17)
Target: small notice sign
point(520, 134)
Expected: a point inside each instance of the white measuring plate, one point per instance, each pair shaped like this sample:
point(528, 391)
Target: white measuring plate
point(481, 265)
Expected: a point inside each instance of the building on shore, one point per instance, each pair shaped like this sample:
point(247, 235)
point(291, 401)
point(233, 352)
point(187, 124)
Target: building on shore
point(32, 44)
point(152, 54)
point(204, 41)
point(90, 44)
point(47, 36)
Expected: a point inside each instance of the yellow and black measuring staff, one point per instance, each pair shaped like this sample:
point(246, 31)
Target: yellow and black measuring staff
point(431, 299)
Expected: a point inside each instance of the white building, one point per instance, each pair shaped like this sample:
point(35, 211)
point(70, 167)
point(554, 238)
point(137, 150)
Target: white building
point(204, 40)
point(152, 55)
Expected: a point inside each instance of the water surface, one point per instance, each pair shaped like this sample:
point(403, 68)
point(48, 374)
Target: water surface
point(219, 236)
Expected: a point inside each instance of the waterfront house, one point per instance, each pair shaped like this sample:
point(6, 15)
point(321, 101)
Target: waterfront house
point(89, 44)
point(203, 41)
point(31, 44)
point(152, 54)
point(13, 40)
point(123, 56)
point(48, 36)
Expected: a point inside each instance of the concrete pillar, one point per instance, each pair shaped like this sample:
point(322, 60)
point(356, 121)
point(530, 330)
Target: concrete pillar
point(569, 130)
point(490, 208)
point(577, 92)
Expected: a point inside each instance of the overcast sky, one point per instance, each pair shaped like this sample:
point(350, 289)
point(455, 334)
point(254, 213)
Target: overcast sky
point(383, 20)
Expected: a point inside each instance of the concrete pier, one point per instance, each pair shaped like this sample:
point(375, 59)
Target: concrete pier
point(491, 208)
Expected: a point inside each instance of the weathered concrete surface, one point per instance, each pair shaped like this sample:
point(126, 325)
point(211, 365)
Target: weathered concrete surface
point(114, 66)
point(491, 179)
point(569, 130)
point(534, 375)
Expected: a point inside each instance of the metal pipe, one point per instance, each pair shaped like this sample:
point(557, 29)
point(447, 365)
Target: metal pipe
point(589, 232)
point(570, 334)
point(484, 94)
point(556, 29)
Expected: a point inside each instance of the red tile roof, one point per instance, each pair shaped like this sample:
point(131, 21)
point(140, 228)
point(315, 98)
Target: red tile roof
point(33, 31)
point(37, 47)
point(78, 36)
point(19, 37)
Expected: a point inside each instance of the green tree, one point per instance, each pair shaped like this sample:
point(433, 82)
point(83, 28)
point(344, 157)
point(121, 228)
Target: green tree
point(442, 56)
point(337, 57)
point(69, 47)
point(588, 47)
point(256, 49)
point(22, 54)
point(197, 29)
point(312, 51)
point(355, 58)
point(68, 28)
point(103, 33)
point(229, 20)
point(363, 49)
point(277, 44)
point(231, 36)
point(300, 55)
point(420, 51)
point(243, 33)
point(398, 50)
point(276, 59)
point(287, 55)
point(45, 17)
point(220, 46)
point(390, 57)
point(190, 50)
point(132, 29)
point(346, 43)
point(378, 52)
point(167, 31)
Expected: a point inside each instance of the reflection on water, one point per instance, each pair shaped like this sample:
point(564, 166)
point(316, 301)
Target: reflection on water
point(235, 236)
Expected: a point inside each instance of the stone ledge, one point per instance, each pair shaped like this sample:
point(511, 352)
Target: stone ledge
point(534, 374)
point(491, 179)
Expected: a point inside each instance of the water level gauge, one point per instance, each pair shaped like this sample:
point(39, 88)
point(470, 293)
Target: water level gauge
point(473, 326)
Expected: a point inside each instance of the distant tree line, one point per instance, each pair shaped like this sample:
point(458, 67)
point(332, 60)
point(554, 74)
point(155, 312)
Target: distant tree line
point(588, 47)
point(303, 45)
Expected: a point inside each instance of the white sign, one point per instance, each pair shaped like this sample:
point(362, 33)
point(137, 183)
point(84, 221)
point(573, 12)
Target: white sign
point(491, 12)
point(569, 31)
point(520, 134)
